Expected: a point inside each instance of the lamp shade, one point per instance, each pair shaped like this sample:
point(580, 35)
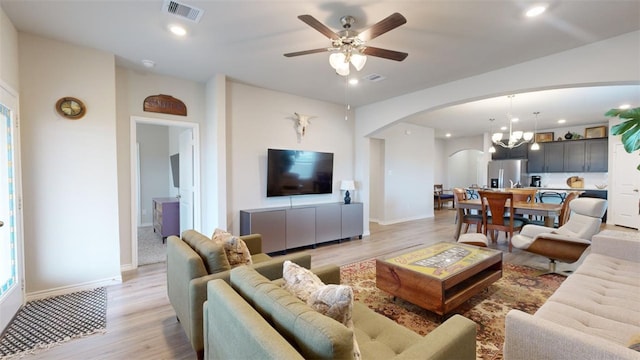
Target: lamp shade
point(358, 60)
point(336, 60)
point(347, 185)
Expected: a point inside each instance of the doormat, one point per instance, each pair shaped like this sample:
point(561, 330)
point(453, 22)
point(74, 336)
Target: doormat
point(45, 323)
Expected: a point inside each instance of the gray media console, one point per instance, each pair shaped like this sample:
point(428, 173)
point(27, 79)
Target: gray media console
point(292, 227)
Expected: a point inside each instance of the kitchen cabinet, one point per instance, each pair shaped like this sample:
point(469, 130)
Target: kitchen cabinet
point(549, 158)
point(519, 152)
point(589, 155)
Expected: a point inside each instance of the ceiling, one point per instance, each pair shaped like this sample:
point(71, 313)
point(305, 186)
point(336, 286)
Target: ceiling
point(446, 41)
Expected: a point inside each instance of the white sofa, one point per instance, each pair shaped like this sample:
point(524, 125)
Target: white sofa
point(594, 313)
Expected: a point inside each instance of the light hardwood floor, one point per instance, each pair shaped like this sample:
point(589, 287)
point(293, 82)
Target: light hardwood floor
point(141, 324)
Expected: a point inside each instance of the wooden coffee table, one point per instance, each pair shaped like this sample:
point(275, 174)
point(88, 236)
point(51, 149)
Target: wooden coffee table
point(439, 277)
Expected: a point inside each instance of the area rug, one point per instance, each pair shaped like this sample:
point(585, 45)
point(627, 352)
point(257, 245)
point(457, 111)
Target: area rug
point(519, 288)
point(151, 248)
point(41, 324)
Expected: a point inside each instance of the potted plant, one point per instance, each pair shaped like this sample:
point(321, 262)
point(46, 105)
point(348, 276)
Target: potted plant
point(629, 129)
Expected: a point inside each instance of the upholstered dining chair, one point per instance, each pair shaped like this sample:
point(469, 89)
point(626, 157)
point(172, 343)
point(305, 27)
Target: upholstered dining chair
point(502, 214)
point(439, 197)
point(569, 241)
point(465, 215)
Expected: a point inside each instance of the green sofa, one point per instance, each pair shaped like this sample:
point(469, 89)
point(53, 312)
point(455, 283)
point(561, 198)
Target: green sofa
point(255, 318)
point(193, 259)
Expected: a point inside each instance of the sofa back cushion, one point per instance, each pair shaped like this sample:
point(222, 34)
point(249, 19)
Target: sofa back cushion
point(212, 253)
point(316, 336)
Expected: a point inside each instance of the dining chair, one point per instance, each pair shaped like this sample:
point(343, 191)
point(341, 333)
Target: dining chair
point(500, 204)
point(439, 197)
point(524, 195)
point(564, 212)
point(465, 215)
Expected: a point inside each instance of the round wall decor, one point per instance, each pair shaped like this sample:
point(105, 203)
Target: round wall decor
point(71, 108)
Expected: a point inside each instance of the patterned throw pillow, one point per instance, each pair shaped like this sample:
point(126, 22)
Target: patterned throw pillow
point(334, 301)
point(235, 248)
point(634, 343)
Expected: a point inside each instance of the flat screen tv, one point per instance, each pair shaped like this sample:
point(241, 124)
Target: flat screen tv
point(295, 172)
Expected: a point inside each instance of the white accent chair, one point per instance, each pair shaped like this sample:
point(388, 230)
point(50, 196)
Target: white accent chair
point(569, 241)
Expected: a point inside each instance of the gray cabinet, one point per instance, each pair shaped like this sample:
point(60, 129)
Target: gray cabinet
point(574, 156)
point(590, 155)
point(301, 227)
point(519, 152)
point(272, 225)
point(294, 227)
point(597, 155)
point(351, 220)
point(328, 222)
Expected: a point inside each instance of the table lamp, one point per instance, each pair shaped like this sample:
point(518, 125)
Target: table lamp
point(347, 185)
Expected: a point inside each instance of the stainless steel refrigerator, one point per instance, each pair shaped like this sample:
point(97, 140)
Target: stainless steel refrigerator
point(504, 173)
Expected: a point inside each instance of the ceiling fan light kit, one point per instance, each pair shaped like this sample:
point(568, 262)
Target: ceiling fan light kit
point(348, 47)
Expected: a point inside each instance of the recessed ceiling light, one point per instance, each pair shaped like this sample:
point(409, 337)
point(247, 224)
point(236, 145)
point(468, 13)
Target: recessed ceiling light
point(447, 134)
point(503, 128)
point(562, 121)
point(515, 119)
point(535, 10)
point(148, 63)
point(178, 30)
point(624, 106)
point(353, 81)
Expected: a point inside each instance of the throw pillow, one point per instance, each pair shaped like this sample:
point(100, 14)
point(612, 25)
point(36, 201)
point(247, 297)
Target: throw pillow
point(299, 281)
point(334, 301)
point(634, 344)
point(235, 248)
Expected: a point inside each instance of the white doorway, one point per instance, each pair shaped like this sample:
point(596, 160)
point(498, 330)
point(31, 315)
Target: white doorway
point(189, 175)
point(625, 191)
point(11, 241)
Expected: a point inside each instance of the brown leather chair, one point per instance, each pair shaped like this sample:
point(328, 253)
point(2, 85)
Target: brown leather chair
point(564, 212)
point(439, 197)
point(465, 215)
point(502, 215)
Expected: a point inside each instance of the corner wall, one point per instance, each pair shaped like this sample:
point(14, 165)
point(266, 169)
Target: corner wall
point(70, 184)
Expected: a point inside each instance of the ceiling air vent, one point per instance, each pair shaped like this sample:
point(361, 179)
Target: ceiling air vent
point(182, 10)
point(374, 77)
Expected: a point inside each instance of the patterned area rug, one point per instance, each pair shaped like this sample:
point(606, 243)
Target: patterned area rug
point(41, 324)
point(519, 288)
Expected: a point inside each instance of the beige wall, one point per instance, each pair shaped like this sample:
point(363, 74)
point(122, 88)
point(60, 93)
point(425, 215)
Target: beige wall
point(70, 188)
point(258, 119)
point(8, 52)
point(132, 87)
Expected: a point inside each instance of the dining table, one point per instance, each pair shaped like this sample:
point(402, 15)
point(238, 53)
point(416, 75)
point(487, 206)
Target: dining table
point(548, 211)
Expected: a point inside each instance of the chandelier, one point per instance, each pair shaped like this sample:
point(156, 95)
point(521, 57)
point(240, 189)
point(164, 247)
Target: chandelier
point(516, 138)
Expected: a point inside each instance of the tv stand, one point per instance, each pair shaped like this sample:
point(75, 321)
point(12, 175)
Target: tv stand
point(284, 228)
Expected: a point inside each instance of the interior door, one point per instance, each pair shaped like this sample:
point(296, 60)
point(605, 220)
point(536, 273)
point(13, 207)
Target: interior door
point(11, 255)
point(626, 185)
point(186, 191)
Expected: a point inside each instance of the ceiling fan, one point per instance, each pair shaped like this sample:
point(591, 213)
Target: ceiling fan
point(349, 46)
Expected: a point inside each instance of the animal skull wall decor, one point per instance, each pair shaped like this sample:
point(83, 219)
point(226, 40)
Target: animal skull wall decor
point(302, 122)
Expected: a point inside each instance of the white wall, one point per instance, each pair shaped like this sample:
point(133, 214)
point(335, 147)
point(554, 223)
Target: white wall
point(408, 184)
point(376, 174)
point(69, 167)
point(258, 119)
point(155, 172)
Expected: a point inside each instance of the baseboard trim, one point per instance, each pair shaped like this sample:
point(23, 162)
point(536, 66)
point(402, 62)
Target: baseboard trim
point(73, 288)
point(397, 221)
point(127, 267)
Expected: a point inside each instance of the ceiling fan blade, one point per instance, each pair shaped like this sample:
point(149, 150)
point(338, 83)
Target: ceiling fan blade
point(306, 52)
point(311, 21)
point(389, 23)
point(384, 53)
